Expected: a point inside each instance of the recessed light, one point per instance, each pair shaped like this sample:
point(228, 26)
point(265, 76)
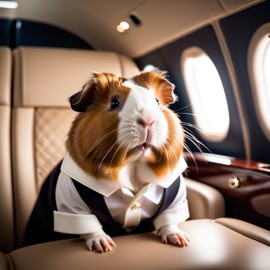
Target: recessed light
point(8, 4)
point(122, 27)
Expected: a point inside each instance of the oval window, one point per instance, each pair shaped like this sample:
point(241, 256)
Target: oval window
point(259, 70)
point(206, 94)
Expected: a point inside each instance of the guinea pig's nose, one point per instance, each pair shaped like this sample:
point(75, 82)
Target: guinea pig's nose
point(145, 122)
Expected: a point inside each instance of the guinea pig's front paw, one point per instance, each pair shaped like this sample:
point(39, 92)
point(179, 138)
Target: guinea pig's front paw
point(99, 241)
point(173, 235)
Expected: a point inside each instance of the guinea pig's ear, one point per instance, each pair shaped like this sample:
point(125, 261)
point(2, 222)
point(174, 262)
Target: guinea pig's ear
point(165, 89)
point(167, 92)
point(80, 101)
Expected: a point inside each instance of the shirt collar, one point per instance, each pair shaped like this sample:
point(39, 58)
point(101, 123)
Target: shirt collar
point(107, 188)
point(102, 186)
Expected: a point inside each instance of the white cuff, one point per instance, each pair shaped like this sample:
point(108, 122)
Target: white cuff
point(75, 223)
point(172, 216)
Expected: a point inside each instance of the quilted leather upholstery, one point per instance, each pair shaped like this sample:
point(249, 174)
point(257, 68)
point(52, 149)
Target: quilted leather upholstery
point(50, 129)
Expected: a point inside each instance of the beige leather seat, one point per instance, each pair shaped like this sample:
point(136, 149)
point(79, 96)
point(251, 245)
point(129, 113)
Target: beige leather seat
point(43, 80)
point(6, 196)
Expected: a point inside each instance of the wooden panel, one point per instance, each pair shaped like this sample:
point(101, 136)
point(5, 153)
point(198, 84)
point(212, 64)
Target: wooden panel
point(245, 185)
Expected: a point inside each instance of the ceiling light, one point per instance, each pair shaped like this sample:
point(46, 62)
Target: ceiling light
point(122, 27)
point(8, 4)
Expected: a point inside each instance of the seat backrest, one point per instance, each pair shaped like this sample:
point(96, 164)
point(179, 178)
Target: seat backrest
point(6, 198)
point(44, 78)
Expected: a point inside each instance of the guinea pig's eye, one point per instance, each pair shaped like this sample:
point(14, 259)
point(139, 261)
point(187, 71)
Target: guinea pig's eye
point(115, 103)
point(157, 101)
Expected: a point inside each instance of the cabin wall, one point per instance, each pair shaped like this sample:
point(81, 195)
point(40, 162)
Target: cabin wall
point(226, 41)
point(238, 31)
point(168, 58)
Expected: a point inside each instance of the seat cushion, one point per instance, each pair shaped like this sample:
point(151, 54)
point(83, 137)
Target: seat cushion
point(213, 246)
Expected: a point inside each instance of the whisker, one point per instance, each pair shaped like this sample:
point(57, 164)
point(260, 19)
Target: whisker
point(172, 149)
point(186, 113)
point(168, 158)
point(182, 108)
point(192, 156)
point(118, 148)
point(196, 142)
point(99, 140)
point(197, 145)
point(193, 126)
point(128, 147)
point(100, 164)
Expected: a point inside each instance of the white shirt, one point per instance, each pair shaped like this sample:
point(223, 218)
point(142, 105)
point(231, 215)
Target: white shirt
point(74, 216)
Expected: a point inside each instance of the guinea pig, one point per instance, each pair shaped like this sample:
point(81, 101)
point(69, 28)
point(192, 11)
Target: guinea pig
point(122, 173)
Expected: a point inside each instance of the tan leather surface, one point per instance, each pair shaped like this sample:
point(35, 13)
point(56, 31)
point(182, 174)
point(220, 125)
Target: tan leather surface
point(247, 229)
point(6, 196)
point(24, 182)
point(5, 75)
point(48, 76)
point(128, 67)
point(204, 201)
point(213, 246)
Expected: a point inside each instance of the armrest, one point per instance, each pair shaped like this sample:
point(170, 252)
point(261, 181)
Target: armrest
point(249, 230)
point(204, 201)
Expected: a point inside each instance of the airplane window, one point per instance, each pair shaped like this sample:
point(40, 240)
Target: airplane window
point(259, 67)
point(206, 94)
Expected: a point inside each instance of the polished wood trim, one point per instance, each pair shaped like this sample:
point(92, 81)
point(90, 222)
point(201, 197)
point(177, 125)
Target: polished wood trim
point(244, 184)
point(201, 159)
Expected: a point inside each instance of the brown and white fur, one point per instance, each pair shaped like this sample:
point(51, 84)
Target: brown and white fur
point(125, 126)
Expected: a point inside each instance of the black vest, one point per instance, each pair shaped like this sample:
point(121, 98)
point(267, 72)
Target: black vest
point(40, 225)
